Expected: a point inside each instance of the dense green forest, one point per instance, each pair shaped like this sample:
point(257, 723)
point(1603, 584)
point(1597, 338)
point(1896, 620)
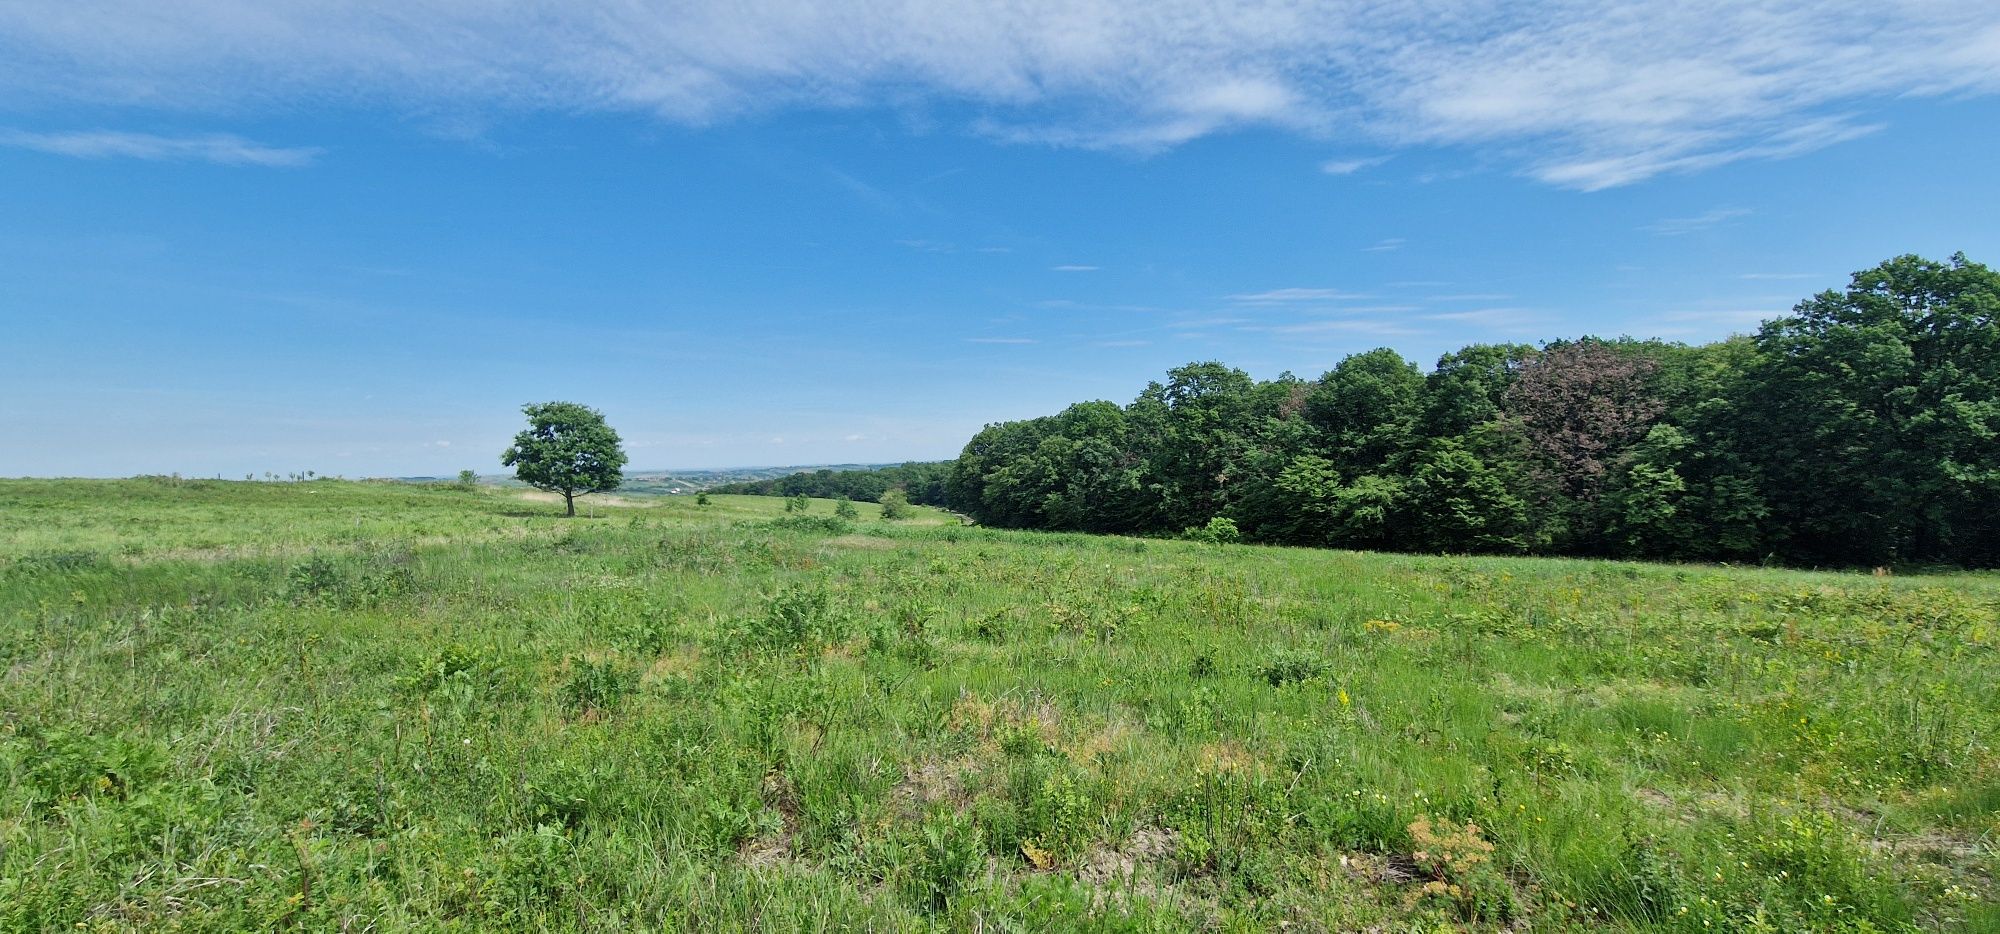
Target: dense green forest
point(1861, 429)
point(924, 483)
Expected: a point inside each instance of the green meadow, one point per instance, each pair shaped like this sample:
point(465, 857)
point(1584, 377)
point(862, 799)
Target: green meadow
point(336, 706)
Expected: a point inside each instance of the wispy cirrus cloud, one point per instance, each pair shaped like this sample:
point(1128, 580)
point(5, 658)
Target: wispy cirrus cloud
point(220, 148)
point(1380, 327)
point(1293, 295)
point(1583, 94)
point(1677, 226)
point(1072, 267)
point(1501, 319)
point(1350, 166)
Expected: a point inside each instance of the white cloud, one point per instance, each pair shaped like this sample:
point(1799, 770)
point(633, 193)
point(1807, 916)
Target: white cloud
point(1072, 268)
point(1676, 226)
point(1375, 326)
point(851, 438)
point(1000, 340)
point(1350, 166)
point(1290, 296)
point(1499, 318)
point(1734, 317)
point(113, 144)
point(1581, 93)
point(1385, 245)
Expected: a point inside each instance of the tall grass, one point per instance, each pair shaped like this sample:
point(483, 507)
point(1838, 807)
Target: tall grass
point(333, 705)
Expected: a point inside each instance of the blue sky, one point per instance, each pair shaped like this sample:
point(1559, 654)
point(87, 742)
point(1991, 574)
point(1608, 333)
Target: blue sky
point(355, 238)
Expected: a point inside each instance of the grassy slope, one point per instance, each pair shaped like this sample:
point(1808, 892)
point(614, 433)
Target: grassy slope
point(230, 705)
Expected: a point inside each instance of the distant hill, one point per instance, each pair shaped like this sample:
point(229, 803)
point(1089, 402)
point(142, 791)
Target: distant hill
point(675, 482)
point(922, 481)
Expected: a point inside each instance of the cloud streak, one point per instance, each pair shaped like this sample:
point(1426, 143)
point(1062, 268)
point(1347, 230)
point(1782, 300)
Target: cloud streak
point(1582, 94)
point(1292, 296)
point(1350, 166)
point(1680, 226)
point(219, 148)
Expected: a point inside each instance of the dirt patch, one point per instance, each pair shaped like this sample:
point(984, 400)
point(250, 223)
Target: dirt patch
point(933, 780)
point(1931, 845)
point(1133, 864)
point(774, 849)
point(767, 851)
point(990, 722)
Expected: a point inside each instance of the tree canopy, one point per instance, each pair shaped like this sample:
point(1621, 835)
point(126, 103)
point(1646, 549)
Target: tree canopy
point(1862, 428)
point(568, 449)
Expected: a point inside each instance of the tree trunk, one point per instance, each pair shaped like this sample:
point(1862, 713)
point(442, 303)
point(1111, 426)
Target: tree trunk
point(569, 504)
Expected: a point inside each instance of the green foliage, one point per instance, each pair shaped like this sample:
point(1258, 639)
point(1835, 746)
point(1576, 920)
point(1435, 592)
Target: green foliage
point(597, 686)
point(1864, 428)
point(923, 483)
point(691, 719)
point(821, 525)
point(701, 498)
point(1875, 415)
point(1291, 666)
point(949, 852)
point(844, 509)
point(567, 449)
point(797, 617)
point(895, 505)
point(1220, 530)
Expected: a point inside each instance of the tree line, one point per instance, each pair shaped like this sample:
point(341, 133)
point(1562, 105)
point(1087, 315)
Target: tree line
point(923, 483)
point(1861, 429)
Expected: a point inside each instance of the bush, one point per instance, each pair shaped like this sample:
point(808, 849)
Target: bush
point(845, 509)
point(1219, 531)
point(796, 616)
point(896, 505)
point(1289, 666)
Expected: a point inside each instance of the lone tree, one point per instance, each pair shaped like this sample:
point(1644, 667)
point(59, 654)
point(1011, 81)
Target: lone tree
point(566, 449)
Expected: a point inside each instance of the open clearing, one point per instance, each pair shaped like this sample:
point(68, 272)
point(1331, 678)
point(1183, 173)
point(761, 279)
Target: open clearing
point(344, 706)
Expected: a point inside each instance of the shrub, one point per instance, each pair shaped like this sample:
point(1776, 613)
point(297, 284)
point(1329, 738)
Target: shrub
point(1289, 666)
point(314, 579)
point(1460, 865)
point(949, 850)
point(845, 509)
point(1220, 530)
point(896, 505)
point(796, 616)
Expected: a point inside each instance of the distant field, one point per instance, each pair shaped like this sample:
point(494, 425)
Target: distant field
point(351, 706)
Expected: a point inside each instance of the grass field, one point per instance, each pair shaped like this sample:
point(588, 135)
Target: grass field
point(345, 707)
